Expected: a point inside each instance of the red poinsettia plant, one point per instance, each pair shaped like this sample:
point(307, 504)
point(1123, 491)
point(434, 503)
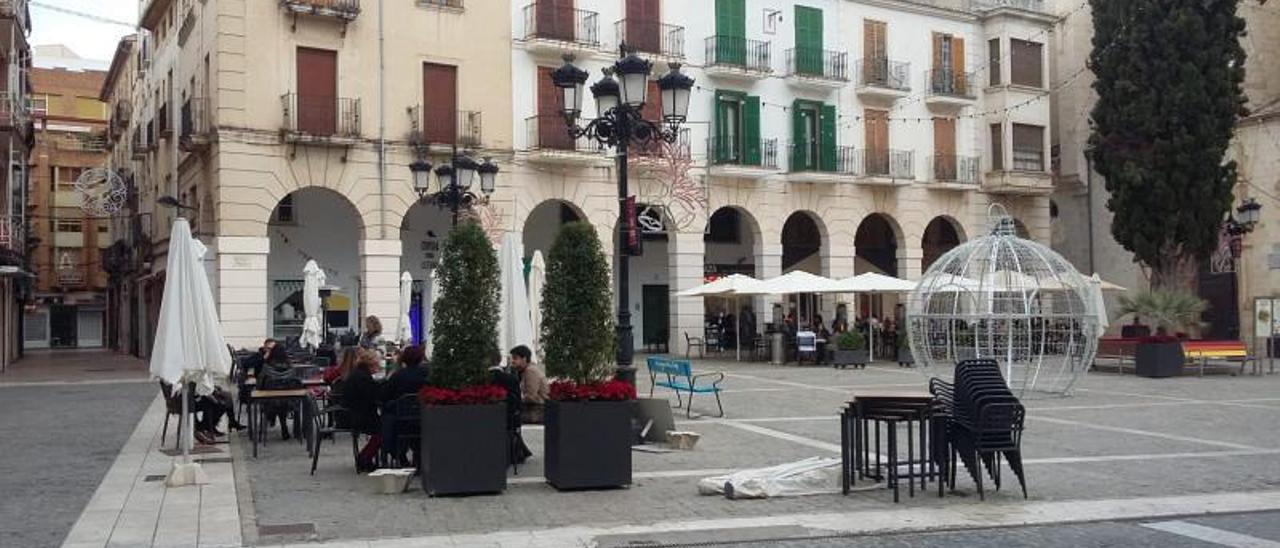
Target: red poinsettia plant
point(470, 395)
point(613, 390)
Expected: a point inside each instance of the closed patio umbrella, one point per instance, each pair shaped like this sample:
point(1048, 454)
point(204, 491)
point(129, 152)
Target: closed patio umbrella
point(427, 345)
point(515, 326)
point(189, 347)
point(404, 334)
point(537, 281)
point(312, 280)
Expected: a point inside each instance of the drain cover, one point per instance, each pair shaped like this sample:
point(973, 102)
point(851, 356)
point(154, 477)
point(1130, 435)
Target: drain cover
point(153, 477)
point(215, 460)
point(287, 529)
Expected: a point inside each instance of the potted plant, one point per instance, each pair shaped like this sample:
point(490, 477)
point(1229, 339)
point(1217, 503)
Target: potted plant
point(588, 417)
point(464, 416)
point(1161, 355)
point(905, 359)
point(851, 349)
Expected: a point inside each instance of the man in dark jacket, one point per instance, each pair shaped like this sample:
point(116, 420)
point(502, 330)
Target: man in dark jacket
point(409, 378)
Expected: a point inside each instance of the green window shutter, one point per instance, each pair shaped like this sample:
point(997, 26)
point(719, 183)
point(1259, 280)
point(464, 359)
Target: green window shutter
point(719, 149)
point(751, 131)
point(799, 141)
point(808, 40)
point(731, 31)
point(827, 134)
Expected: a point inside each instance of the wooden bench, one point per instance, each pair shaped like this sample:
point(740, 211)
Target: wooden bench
point(1120, 350)
point(1228, 351)
point(679, 377)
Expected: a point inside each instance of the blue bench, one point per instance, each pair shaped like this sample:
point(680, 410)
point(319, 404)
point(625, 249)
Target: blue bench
point(679, 377)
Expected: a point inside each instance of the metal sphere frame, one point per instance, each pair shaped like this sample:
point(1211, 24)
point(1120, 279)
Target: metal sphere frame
point(102, 191)
point(1010, 299)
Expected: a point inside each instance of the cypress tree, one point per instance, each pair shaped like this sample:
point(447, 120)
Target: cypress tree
point(464, 325)
point(1169, 84)
point(577, 321)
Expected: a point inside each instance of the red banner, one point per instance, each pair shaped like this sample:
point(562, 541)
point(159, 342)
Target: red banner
point(633, 228)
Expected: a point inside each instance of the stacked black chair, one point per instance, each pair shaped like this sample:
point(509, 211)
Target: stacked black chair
point(984, 422)
point(868, 417)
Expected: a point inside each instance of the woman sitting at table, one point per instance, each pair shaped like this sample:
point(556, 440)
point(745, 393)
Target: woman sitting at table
point(335, 375)
point(409, 377)
point(277, 375)
point(360, 397)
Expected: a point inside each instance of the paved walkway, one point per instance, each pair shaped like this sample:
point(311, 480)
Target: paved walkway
point(1121, 448)
point(79, 366)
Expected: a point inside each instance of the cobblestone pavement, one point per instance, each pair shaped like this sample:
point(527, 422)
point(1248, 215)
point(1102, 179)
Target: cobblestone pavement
point(58, 436)
point(1118, 437)
point(1257, 530)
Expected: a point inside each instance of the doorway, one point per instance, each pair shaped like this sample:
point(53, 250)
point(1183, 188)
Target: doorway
point(654, 306)
point(62, 326)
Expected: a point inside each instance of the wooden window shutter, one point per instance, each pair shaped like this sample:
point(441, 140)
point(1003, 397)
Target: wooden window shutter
point(957, 63)
point(993, 62)
point(997, 147)
point(877, 137)
point(643, 25)
point(1026, 69)
point(944, 148)
point(937, 51)
point(827, 135)
point(751, 152)
point(653, 103)
point(439, 103)
point(799, 138)
point(551, 128)
point(317, 108)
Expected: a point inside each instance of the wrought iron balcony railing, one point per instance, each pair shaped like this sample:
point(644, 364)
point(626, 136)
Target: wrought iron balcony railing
point(195, 126)
point(732, 151)
point(818, 63)
point(736, 51)
point(445, 126)
point(321, 117)
point(898, 164)
point(653, 37)
point(549, 132)
point(810, 156)
point(341, 9)
point(882, 72)
point(951, 168)
point(949, 83)
point(549, 21)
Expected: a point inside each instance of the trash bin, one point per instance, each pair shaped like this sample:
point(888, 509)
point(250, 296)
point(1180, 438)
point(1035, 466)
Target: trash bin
point(779, 347)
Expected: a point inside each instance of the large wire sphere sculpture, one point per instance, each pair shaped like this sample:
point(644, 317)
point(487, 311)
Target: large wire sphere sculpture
point(101, 190)
point(1009, 299)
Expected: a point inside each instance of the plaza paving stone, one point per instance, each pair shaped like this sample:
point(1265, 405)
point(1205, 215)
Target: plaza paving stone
point(1117, 437)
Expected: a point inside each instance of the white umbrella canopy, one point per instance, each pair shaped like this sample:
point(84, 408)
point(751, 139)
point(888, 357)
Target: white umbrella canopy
point(1099, 303)
point(728, 285)
point(537, 282)
point(515, 327)
point(427, 345)
point(313, 279)
point(404, 334)
point(873, 282)
point(1105, 285)
point(189, 347)
point(797, 281)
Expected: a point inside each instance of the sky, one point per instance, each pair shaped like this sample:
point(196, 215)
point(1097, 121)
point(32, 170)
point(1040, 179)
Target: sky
point(89, 38)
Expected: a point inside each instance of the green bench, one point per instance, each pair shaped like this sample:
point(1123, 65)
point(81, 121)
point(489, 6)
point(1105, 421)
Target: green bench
point(678, 376)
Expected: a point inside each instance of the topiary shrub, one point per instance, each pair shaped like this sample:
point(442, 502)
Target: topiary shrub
point(851, 340)
point(464, 325)
point(577, 321)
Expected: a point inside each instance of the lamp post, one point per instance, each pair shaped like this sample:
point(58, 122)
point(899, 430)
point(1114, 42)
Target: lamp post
point(1238, 226)
point(455, 180)
point(619, 123)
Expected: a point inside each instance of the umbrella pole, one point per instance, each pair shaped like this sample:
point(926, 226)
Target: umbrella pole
point(737, 337)
point(187, 434)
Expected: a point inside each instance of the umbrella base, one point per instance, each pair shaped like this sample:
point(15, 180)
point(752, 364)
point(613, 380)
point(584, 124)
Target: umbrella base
point(189, 473)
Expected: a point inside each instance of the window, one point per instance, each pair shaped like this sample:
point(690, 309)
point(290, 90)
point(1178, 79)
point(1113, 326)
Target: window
point(993, 61)
point(729, 149)
point(439, 103)
point(103, 229)
point(39, 105)
point(1028, 147)
point(69, 225)
point(64, 178)
point(948, 65)
point(1025, 63)
point(284, 211)
point(997, 147)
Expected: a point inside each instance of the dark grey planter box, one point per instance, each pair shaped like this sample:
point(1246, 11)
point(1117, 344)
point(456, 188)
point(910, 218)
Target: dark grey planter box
point(905, 358)
point(1158, 360)
point(464, 449)
point(588, 444)
point(845, 358)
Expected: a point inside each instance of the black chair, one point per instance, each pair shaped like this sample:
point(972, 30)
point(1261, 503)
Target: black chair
point(984, 423)
point(694, 342)
point(326, 424)
point(173, 406)
point(402, 428)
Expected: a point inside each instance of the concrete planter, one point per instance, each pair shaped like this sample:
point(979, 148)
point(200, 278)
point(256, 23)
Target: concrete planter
point(1158, 360)
point(905, 359)
point(845, 358)
point(588, 444)
point(464, 449)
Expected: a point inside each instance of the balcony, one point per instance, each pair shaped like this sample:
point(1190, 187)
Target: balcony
point(196, 131)
point(442, 128)
point(15, 113)
point(885, 166)
point(949, 171)
point(651, 38)
point(11, 236)
point(1034, 6)
point(312, 119)
point(1027, 178)
point(734, 57)
point(342, 10)
point(808, 166)
point(18, 11)
point(551, 29)
point(736, 159)
point(442, 4)
point(550, 142)
point(93, 143)
point(818, 69)
point(948, 89)
point(883, 80)
point(658, 148)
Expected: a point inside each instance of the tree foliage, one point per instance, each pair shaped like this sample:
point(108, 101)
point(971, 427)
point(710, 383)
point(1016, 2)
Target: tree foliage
point(464, 325)
point(1169, 84)
point(577, 326)
point(1167, 310)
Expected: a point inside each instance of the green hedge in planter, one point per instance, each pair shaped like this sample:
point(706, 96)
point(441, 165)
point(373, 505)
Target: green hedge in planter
point(577, 319)
point(464, 324)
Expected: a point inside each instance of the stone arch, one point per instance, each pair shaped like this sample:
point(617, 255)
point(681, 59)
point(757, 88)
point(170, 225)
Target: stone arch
point(724, 248)
point(877, 244)
point(799, 250)
point(543, 223)
point(321, 224)
point(941, 235)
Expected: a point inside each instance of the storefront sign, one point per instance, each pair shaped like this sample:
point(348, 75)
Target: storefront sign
point(1264, 322)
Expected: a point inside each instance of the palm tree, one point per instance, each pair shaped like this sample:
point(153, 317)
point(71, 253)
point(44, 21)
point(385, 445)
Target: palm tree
point(1167, 310)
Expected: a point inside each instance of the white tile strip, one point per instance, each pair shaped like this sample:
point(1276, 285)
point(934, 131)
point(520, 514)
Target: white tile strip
point(1147, 433)
point(1211, 535)
point(897, 520)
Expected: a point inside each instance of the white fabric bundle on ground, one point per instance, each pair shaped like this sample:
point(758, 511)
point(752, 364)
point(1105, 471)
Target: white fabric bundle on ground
point(811, 476)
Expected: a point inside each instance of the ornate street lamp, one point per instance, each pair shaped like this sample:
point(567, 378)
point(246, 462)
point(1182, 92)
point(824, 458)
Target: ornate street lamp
point(1250, 213)
point(618, 124)
point(455, 181)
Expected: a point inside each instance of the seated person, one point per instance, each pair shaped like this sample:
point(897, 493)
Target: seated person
point(278, 374)
point(534, 390)
point(409, 377)
point(501, 377)
point(360, 398)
